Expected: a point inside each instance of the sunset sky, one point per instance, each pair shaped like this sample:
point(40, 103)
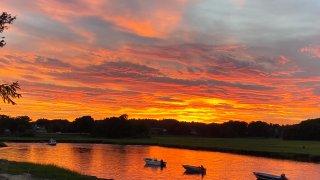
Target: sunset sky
point(191, 60)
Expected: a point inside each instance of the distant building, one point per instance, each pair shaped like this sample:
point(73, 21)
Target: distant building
point(7, 132)
point(39, 129)
point(193, 132)
point(158, 131)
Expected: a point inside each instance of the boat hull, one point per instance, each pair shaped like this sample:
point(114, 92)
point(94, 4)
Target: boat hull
point(154, 162)
point(194, 169)
point(52, 142)
point(264, 176)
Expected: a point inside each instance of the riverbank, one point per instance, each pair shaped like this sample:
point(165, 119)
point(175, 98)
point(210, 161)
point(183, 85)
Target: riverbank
point(30, 171)
point(308, 151)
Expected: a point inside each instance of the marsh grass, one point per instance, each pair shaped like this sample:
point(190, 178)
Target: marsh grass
point(39, 171)
point(275, 148)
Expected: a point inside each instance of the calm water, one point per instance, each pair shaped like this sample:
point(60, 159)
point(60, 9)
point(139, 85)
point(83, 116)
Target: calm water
point(126, 162)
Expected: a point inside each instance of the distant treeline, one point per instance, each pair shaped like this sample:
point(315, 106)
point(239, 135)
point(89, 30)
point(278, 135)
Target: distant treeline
point(120, 127)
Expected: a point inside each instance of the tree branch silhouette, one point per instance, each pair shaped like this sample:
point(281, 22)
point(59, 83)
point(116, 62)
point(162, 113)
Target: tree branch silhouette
point(5, 20)
point(7, 91)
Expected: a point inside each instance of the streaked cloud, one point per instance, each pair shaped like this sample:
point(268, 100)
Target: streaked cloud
point(312, 51)
point(209, 61)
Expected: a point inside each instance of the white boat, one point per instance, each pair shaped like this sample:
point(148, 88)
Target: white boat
point(52, 142)
point(155, 162)
point(195, 169)
point(264, 176)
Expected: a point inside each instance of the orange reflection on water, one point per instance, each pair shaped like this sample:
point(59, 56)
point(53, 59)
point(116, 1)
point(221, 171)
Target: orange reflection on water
point(126, 162)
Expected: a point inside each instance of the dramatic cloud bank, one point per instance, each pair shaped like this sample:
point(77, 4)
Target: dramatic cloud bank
point(207, 61)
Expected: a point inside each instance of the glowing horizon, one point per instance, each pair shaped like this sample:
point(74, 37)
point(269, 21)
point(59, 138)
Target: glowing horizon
point(205, 61)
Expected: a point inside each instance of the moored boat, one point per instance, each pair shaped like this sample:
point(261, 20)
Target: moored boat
point(155, 162)
point(52, 142)
point(195, 169)
point(264, 176)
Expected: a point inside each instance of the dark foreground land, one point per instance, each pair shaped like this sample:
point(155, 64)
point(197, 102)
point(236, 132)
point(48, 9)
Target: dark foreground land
point(275, 148)
point(30, 171)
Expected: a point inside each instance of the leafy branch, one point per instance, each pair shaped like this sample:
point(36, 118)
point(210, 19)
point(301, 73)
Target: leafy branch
point(5, 20)
point(8, 92)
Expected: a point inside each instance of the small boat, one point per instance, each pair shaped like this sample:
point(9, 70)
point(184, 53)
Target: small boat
point(194, 169)
point(155, 162)
point(264, 176)
point(52, 142)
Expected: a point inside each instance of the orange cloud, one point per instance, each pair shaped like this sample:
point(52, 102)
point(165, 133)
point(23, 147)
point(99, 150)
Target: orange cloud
point(313, 51)
point(283, 59)
point(157, 19)
point(106, 58)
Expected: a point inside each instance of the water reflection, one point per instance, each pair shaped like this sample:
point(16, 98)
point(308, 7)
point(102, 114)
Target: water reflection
point(155, 168)
point(126, 162)
point(195, 175)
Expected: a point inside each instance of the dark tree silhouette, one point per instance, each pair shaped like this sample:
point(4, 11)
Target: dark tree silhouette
point(124, 117)
point(83, 124)
point(305, 130)
point(7, 91)
point(259, 129)
point(114, 127)
point(5, 20)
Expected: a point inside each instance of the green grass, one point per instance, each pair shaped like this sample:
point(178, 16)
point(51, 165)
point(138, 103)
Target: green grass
point(40, 171)
point(254, 144)
point(76, 138)
point(276, 148)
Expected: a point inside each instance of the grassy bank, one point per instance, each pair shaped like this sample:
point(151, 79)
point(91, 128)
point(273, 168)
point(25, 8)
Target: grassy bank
point(37, 171)
point(275, 148)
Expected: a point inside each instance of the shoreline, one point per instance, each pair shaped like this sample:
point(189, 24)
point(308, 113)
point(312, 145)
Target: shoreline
point(33, 171)
point(167, 142)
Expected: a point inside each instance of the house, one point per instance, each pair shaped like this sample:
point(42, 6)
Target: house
point(7, 132)
point(158, 131)
point(39, 129)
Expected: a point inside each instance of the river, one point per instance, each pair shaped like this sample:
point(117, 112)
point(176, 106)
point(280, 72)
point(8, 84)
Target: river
point(126, 161)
